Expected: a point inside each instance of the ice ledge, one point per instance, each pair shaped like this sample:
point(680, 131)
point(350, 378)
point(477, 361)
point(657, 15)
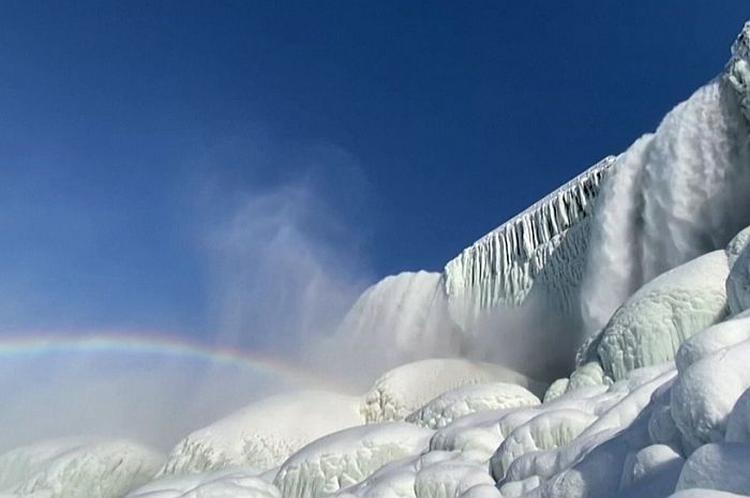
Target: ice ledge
point(500, 267)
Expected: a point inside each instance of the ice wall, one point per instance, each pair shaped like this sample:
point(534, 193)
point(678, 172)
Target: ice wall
point(501, 267)
point(674, 194)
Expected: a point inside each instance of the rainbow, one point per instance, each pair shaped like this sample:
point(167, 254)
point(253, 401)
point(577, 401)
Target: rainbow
point(18, 346)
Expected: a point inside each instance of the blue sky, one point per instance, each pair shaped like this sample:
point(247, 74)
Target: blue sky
point(132, 133)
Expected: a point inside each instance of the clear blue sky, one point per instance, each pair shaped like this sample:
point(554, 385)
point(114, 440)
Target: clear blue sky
point(421, 125)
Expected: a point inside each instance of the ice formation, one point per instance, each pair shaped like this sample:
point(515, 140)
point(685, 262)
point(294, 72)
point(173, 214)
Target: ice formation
point(653, 322)
point(234, 483)
point(457, 403)
point(401, 391)
point(265, 433)
point(347, 457)
point(73, 468)
point(501, 267)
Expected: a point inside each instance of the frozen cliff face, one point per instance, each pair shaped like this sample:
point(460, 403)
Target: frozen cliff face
point(501, 267)
point(674, 194)
point(738, 70)
point(77, 468)
point(265, 433)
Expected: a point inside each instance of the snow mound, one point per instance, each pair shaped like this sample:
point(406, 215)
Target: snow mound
point(403, 390)
point(235, 483)
point(73, 468)
point(651, 325)
point(722, 467)
point(347, 457)
point(454, 404)
point(705, 393)
point(263, 434)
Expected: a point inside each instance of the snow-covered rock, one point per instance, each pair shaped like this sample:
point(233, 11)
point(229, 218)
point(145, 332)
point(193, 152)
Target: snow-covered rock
point(713, 339)
point(548, 430)
point(403, 390)
point(348, 457)
point(722, 467)
point(77, 468)
point(705, 393)
point(737, 245)
point(457, 403)
point(234, 483)
point(738, 283)
point(450, 477)
point(265, 433)
point(649, 328)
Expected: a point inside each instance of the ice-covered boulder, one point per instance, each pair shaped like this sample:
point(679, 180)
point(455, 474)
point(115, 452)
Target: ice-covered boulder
point(714, 338)
point(649, 328)
point(457, 403)
point(723, 467)
point(550, 429)
point(705, 393)
point(234, 483)
point(657, 465)
point(403, 390)
point(348, 457)
point(449, 477)
point(737, 245)
point(738, 423)
point(704, 493)
point(738, 283)
point(263, 434)
point(76, 468)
